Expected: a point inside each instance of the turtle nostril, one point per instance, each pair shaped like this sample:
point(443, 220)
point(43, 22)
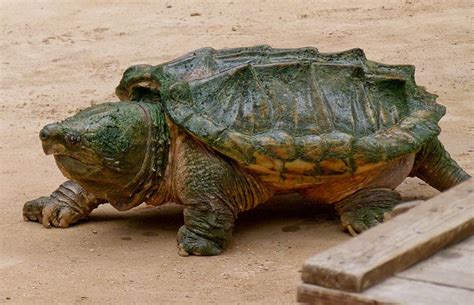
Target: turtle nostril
point(44, 134)
point(47, 132)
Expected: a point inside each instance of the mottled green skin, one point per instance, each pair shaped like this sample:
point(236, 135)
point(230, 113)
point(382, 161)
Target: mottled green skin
point(119, 150)
point(221, 131)
point(213, 191)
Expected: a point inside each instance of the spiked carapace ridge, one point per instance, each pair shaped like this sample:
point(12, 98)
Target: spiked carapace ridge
point(275, 109)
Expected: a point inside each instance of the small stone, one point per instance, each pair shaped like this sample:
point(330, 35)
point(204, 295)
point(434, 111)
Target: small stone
point(225, 275)
point(94, 231)
point(195, 14)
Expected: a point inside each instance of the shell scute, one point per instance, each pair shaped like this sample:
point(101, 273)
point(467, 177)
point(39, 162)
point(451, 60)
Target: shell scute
point(338, 144)
point(294, 111)
point(278, 144)
point(312, 147)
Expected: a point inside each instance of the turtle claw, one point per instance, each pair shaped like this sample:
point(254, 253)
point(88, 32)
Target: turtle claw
point(51, 212)
point(354, 224)
point(351, 231)
point(33, 209)
point(190, 243)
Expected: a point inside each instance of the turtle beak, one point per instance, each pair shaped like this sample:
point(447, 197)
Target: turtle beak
point(51, 139)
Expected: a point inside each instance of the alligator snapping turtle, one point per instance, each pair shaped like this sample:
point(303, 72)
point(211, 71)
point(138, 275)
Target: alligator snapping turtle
point(221, 131)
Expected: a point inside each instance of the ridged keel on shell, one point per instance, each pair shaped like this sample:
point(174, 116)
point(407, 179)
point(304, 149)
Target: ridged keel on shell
point(303, 118)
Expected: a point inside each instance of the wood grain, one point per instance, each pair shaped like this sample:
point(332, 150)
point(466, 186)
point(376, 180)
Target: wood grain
point(449, 267)
point(397, 244)
point(468, 245)
point(392, 291)
point(317, 295)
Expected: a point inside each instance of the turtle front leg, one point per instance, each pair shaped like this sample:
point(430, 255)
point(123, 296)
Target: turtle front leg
point(205, 184)
point(205, 231)
point(213, 190)
point(366, 208)
point(210, 211)
point(65, 206)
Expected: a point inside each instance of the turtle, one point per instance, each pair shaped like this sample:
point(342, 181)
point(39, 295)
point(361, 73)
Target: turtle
point(222, 131)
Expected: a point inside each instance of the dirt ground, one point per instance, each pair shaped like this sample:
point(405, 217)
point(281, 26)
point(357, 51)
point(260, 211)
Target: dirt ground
point(57, 58)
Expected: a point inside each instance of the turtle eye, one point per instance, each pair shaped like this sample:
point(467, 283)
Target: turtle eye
point(73, 139)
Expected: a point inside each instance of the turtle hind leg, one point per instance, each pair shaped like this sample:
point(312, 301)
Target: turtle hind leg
point(366, 208)
point(434, 165)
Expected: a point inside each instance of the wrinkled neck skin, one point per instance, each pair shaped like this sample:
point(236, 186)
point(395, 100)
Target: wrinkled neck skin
point(166, 192)
point(152, 179)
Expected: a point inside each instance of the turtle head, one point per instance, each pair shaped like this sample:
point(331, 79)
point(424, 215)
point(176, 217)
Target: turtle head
point(116, 151)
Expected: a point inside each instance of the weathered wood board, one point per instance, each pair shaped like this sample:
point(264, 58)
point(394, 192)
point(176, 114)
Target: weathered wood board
point(450, 267)
point(445, 278)
point(397, 244)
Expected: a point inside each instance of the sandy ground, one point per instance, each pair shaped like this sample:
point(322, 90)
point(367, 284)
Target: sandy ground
point(57, 58)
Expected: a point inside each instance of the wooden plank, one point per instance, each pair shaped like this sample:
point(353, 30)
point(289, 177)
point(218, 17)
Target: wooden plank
point(450, 267)
point(397, 244)
point(317, 295)
point(445, 278)
point(391, 291)
point(410, 292)
point(468, 245)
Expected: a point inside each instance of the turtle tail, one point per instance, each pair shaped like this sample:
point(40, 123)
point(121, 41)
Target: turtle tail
point(434, 165)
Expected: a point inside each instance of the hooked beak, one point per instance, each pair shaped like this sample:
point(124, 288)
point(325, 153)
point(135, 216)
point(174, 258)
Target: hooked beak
point(51, 139)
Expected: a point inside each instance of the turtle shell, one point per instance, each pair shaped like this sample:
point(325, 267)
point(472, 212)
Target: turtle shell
point(293, 111)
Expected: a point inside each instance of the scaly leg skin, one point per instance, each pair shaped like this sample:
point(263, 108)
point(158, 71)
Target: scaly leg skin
point(366, 208)
point(213, 192)
point(65, 206)
point(434, 165)
point(205, 231)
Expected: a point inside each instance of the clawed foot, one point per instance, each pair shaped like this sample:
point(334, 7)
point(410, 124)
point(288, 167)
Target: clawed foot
point(356, 222)
point(51, 212)
point(190, 243)
point(366, 208)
